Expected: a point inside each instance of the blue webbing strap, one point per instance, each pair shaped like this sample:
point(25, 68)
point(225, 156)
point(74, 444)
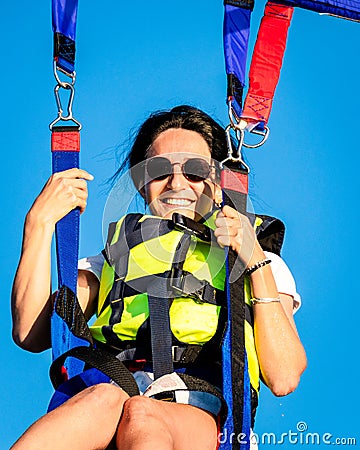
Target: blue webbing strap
point(64, 13)
point(236, 36)
point(65, 147)
point(67, 321)
point(236, 382)
point(346, 9)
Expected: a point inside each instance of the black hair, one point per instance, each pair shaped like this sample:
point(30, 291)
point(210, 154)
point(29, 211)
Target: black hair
point(185, 117)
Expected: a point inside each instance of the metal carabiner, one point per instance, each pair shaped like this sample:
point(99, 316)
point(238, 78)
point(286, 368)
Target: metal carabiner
point(57, 78)
point(234, 120)
point(230, 154)
point(69, 116)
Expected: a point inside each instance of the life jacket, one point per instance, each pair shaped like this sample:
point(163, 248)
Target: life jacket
point(145, 255)
point(187, 268)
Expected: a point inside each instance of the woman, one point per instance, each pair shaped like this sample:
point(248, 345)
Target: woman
point(104, 415)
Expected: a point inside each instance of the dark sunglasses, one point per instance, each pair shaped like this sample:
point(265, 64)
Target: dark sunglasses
point(194, 169)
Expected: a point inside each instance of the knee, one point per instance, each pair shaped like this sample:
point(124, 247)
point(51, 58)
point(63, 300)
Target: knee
point(142, 421)
point(139, 409)
point(103, 396)
point(144, 413)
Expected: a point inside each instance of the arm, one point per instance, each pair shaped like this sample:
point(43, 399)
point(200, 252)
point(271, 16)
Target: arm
point(281, 355)
point(31, 293)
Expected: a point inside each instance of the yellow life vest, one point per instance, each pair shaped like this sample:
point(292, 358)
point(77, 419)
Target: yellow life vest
point(142, 256)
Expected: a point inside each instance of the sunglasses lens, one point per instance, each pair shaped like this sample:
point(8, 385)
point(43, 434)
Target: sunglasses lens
point(158, 168)
point(196, 170)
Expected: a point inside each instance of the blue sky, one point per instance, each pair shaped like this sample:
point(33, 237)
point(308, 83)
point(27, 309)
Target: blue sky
point(133, 59)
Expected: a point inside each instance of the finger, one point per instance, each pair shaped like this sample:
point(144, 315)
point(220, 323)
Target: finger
point(76, 198)
point(227, 222)
point(223, 240)
point(227, 231)
point(230, 212)
point(227, 226)
point(78, 183)
point(82, 194)
point(67, 185)
point(74, 173)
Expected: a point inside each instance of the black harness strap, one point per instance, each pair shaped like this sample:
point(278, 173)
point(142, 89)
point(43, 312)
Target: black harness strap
point(234, 185)
point(68, 308)
point(100, 359)
point(172, 283)
point(161, 335)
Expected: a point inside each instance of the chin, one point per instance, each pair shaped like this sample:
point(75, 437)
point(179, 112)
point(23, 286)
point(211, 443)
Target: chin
point(183, 211)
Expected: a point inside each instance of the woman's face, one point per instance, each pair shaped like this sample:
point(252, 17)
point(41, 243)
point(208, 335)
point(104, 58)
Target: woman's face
point(176, 193)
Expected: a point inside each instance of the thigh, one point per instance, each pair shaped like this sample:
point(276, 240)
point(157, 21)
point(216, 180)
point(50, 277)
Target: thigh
point(86, 421)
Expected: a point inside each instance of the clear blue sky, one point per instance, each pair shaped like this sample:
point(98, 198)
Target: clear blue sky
point(134, 58)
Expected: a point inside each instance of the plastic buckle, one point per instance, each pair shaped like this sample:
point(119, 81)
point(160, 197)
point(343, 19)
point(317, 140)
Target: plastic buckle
point(189, 226)
point(167, 396)
point(176, 281)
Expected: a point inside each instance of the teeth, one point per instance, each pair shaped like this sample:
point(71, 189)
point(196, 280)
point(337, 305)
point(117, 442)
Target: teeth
point(177, 201)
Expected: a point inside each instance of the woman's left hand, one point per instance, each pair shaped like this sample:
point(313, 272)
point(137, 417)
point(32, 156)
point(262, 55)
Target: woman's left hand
point(234, 230)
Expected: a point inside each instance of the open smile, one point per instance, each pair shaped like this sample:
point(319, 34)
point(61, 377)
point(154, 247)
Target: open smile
point(177, 201)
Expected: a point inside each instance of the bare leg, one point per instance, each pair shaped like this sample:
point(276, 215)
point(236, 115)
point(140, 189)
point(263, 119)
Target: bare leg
point(148, 424)
point(87, 421)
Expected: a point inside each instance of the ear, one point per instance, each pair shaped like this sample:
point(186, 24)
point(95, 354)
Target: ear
point(218, 198)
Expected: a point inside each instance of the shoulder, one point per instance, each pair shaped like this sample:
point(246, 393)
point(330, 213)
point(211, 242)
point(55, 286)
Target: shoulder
point(92, 264)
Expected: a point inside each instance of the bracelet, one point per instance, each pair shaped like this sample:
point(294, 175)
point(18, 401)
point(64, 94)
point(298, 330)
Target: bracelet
point(257, 266)
point(255, 300)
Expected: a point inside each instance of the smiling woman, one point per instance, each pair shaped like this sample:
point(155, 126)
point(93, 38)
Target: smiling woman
point(173, 162)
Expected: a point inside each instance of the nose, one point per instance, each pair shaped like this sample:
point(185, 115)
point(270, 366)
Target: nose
point(177, 181)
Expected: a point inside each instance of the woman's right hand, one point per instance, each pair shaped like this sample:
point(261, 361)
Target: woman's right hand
point(63, 192)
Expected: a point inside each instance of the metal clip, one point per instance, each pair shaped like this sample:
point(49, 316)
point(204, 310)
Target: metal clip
point(237, 157)
point(61, 116)
point(57, 69)
point(234, 119)
point(67, 86)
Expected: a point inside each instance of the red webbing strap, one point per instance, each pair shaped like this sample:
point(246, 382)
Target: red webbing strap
point(65, 140)
point(267, 61)
point(235, 181)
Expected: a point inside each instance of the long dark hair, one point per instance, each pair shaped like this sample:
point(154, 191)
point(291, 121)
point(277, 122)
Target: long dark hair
point(183, 116)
